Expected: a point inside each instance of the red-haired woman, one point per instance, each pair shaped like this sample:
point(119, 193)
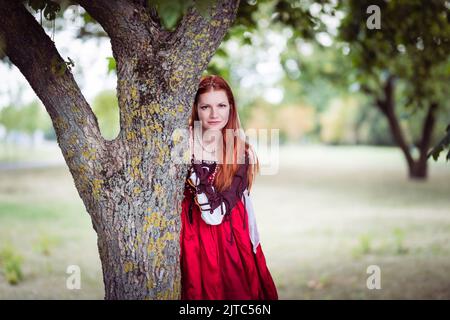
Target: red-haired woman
point(221, 257)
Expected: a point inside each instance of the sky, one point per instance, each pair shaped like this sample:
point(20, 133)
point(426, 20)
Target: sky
point(90, 71)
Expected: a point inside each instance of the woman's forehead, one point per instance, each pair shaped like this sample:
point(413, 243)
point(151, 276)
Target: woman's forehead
point(213, 97)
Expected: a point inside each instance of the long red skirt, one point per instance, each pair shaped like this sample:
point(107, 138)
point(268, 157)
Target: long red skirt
point(217, 267)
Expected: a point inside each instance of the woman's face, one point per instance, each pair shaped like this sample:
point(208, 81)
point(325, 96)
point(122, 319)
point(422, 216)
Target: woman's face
point(213, 110)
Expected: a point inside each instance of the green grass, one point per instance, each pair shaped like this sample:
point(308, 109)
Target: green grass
point(333, 211)
point(328, 214)
point(11, 264)
point(11, 210)
point(42, 216)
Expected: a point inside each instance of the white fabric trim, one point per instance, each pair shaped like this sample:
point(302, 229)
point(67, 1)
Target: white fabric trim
point(216, 216)
point(252, 227)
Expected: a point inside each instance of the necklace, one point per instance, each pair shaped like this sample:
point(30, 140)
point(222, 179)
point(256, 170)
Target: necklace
point(203, 147)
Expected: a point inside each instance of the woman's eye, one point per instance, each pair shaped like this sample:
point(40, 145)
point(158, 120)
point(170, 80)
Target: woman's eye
point(223, 105)
point(203, 107)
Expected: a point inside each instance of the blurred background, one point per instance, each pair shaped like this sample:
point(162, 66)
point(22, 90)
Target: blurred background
point(358, 107)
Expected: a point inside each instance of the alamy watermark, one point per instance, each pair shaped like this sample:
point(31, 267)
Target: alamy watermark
point(374, 280)
point(73, 281)
point(265, 143)
point(374, 20)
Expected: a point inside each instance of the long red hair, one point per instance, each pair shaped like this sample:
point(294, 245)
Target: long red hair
point(226, 171)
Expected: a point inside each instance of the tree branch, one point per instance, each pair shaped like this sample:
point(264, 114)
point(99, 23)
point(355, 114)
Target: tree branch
point(136, 41)
point(427, 131)
point(127, 23)
point(387, 105)
point(35, 55)
point(195, 40)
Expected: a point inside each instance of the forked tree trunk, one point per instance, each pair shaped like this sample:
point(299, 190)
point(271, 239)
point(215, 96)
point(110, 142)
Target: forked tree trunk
point(417, 168)
point(130, 186)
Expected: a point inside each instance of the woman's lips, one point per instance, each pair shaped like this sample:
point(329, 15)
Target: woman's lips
point(213, 122)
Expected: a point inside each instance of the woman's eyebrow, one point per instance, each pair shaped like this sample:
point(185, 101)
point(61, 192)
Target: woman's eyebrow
point(207, 104)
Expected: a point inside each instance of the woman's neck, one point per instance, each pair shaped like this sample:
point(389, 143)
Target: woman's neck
point(208, 148)
point(211, 141)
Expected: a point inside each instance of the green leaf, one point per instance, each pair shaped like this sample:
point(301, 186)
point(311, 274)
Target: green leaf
point(111, 64)
point(247, 40)
point(444, 143)
point(185, 5)
point(204, 7)
point(221, 53)
point(169, 11)
point(87, 18)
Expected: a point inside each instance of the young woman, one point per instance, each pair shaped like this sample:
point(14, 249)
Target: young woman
point(221, 257)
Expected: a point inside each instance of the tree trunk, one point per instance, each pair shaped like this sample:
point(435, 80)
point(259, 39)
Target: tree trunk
point(417, 168)
point(420, 168)
point(130, 186)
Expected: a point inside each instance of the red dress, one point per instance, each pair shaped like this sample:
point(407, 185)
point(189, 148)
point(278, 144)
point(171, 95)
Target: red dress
point(219, 262)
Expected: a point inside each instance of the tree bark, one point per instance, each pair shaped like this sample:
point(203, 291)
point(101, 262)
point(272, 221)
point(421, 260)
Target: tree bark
point(420, 168)
point(130, 187)
point(417, 168)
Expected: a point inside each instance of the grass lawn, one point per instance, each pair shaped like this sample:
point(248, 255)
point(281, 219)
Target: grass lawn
point(328, 214)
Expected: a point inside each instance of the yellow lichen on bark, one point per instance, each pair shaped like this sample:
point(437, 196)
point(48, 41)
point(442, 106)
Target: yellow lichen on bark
point(128, 266)
point(157, 247)
point(175, 79)
point(162, 153)
point(150, 284)
point(74, 108)
point(96, 188)
point(131, 135)
point(89, 154)
point(134, 93)
point(73, 140)
point(61, 123)
point(164, 295)
point(137, 190)
point(155, 220)
point(137, 242)
point(82, 178)
point(70, 154)
point(135, 172)
point(158, 190)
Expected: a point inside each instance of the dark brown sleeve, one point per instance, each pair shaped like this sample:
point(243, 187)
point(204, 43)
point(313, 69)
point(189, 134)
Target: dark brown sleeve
point(231, 195)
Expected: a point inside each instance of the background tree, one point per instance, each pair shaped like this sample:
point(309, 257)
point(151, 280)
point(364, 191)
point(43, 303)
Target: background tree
point(27, 118)
point(405, 62)
point(403, 68)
